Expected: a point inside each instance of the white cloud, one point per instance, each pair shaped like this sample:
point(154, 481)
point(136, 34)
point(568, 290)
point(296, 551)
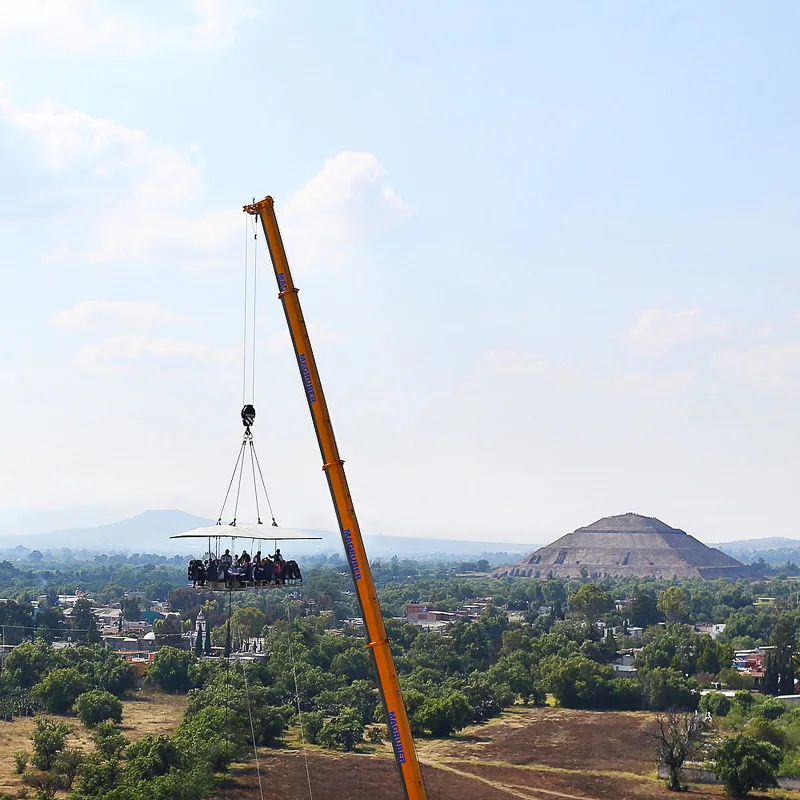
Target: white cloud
point(73, 25)
point(90, 313)
point(657, 383)
point(338, 208)
point(657, 330)
point(220, 21)
point(86, 25)
point(770, 367)
point(128, 347)
point(131, 186)
point(527, 364)
point(142, 181)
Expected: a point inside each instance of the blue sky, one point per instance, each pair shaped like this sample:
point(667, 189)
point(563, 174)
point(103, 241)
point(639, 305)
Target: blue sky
point(546, 252)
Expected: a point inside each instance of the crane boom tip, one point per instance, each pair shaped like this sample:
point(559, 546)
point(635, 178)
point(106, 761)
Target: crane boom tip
point(255, 208)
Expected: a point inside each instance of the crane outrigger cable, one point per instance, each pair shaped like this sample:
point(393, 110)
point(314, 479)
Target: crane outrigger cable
point(397, 719)
point(252, 730)
point(297, 698)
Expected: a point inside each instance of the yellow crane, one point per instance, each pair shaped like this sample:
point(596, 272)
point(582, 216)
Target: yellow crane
point(377, 641)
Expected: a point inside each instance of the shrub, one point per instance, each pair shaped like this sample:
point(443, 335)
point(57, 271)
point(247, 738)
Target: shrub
point(765, 730)
point(45, 783)
point(20, 761)
point(744, 700)
point(49, 739)
point(98, 706)
point(735, 680)
point(108, 740)
point(313, 722)
point(718, 704)
point(66, 764)
point(772, 708)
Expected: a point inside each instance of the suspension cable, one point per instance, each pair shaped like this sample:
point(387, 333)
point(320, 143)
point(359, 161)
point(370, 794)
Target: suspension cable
point(255, 298)
point(239, 487)
point(244, 333)
point(266, 493)
point(297, 697)
point(252, 731)
point(225, 501)
point(255, 485)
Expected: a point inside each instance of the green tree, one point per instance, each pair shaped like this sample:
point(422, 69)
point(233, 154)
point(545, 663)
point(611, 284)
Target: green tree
point(59, 689)
point(150, 757)
point(708, 660)
point(170, 670)
point(28, 663)
point(248, 623)
point(66, 764)
point(772, 708)
point(592, 601)
point(578, 682)
point(667, 689)
point(643, 610)
point(344, 730)
point(312, 722)
point(109, 741)
point(442, 716)
point(770, 684)
point(84, 623)
point(46, 784)
point(715, 703)
point(97, 777)
point(49, 738)
point(742, 764)
point(98, 706)
point(674, 604)
point(131, 609)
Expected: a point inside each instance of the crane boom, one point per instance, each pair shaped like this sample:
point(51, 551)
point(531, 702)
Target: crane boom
point(377, 641)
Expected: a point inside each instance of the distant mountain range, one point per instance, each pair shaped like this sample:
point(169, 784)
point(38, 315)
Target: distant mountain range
point(149, 532)
point(773, 549)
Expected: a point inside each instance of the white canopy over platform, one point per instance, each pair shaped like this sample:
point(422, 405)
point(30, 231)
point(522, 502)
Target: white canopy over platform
point(246, 530)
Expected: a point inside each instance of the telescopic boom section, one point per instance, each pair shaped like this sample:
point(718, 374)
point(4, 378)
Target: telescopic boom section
point(397, 719)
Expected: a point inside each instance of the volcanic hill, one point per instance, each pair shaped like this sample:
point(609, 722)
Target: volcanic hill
point(628, 545)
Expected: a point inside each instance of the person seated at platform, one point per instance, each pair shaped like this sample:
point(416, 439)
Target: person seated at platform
point(278, 558)
point(260, 571)
point(212, 570)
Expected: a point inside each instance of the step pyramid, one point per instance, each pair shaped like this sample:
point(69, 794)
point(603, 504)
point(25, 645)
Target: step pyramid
point(629, 545)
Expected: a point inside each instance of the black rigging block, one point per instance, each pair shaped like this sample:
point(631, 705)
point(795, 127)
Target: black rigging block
point(248, 415)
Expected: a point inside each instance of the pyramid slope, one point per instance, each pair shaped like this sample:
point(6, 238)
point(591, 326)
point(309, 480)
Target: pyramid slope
point(628, 545)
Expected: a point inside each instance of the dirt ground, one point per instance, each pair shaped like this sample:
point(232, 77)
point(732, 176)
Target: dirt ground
point(144, 713)
point(534, 754)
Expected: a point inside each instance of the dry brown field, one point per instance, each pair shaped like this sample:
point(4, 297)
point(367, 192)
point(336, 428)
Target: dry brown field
point(533, 754)
point(145, 713)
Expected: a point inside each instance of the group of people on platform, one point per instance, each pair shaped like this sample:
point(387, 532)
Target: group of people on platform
point(242, 569)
